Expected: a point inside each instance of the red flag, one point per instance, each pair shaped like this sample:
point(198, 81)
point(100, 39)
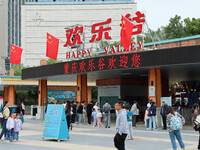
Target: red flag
point(52, 46)
point(15, 54)
point(126, 33)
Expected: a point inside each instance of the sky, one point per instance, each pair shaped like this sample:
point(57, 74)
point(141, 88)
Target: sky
point(158, 12)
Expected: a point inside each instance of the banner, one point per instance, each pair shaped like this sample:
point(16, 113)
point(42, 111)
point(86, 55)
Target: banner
point(1, 103)
point(61, 95)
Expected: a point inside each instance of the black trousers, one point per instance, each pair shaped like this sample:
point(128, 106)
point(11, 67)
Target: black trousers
point(119, 141)
point(199, 142)
point(164, 122)
point(73, 118)
point(134, 120)
point(68, 121)
point(89, 115)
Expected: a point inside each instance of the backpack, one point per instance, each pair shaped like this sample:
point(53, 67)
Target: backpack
point(106, 109)
point(150, 112)
point(196, 124)
point(176, 122)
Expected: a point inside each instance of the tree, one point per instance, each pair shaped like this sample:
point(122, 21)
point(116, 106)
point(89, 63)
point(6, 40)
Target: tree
point(18, 69)
point(52, 61)
point(177, 28)
point(192, 27)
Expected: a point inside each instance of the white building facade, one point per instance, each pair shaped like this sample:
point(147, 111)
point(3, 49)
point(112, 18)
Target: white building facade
point(38, 18)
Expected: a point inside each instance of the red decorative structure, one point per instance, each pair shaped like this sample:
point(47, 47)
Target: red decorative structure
point(100, 31)
point(111, 62)
point(101, 64)
point(135, 60)
point(91, 65)
point(123, 61)
point(76, 36)
point(66, 66)
point(74, 67)
point(82, 66)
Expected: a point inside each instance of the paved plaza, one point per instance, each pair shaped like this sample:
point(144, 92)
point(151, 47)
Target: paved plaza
point(84, 137)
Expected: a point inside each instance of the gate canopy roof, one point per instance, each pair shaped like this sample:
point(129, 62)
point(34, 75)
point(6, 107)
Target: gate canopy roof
point(179, 64)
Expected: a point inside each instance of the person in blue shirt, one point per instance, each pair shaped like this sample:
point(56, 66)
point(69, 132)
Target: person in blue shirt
point(152, 115)
point(129, 119)
point(163, 115)
point(94, 115)
point(179, 109)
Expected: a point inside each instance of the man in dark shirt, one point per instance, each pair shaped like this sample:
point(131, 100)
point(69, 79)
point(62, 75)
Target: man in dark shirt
point(74, 112)
point(89, 111)
point(80, 113)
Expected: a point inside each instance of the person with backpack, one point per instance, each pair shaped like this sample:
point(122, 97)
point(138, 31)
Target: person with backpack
point(106, 110)
point(175, 123)
point(152, 116)
point(196, 120)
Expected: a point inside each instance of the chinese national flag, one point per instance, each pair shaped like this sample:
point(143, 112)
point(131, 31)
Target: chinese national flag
point(15, 54)
point(52, 46)
point(126, 33)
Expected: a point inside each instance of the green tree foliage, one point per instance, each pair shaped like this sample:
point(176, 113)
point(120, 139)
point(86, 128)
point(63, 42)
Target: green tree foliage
point(18, 69)
point(177, 28)
point(52, 61)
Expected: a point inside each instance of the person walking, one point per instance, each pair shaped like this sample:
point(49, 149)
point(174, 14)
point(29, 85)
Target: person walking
point(19, 110)
point(68, 113)
point(196, 120)
point(94, 115)
point(174, 123)
point(179, 109)
point(106, 110)
point(89, 111)
point(146, 118)
point(121, 126)
point(6, 113)
point(99, 116)
point(134, 111)
point(152, 116)
point(74, 110)
point(163, 115)
point(96, 107)
point(129, 119)
point(80, 113)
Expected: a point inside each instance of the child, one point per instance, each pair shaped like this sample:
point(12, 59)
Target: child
point(94, 115)
point(129, 118)
point(10, 128)
point(18, 127)
point(99, 115)
point(146, 117)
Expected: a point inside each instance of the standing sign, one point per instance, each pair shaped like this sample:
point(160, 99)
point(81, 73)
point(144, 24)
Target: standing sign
point(55, 126)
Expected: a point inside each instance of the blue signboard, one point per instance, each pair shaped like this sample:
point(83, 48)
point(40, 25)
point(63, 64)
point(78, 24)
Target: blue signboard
point(55, 126)
point(61, 95)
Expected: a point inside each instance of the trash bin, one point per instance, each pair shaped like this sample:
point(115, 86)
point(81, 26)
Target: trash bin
point(33, 110)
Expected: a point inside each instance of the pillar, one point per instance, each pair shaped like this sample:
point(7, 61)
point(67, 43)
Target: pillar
point(5, 96)
point(42, 94)
point(89, 91)
point(155, 81)
point(82, 88)
point(11, 94)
